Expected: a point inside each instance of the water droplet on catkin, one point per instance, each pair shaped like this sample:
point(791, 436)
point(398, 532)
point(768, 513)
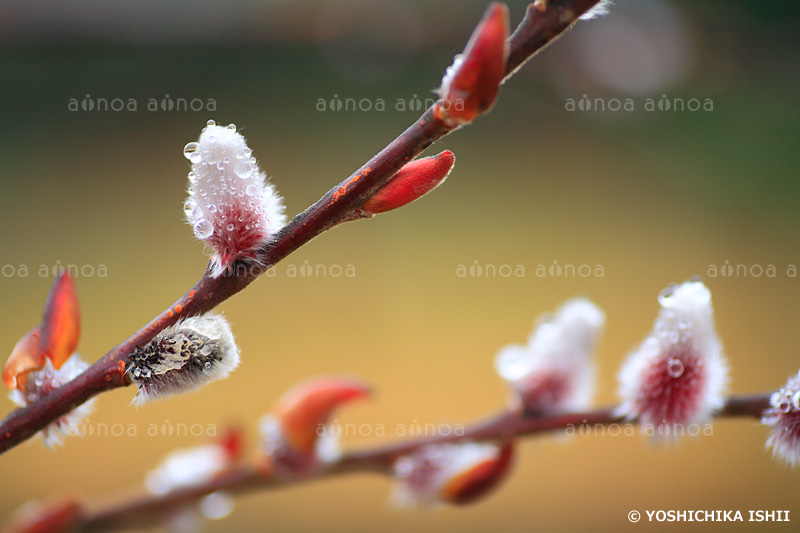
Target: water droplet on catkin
point(203, 229)
point(675, 368)
point(243, 169)
point(189, 149)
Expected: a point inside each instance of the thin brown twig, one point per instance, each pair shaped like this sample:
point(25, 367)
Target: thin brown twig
point(146, 509)
point(340, 204)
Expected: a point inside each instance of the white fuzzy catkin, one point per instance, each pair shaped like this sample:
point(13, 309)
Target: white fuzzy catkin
point(40, 383)
point(421, 476)
point(678, 375)
point(231, 207)
point(555, 371)
point(183, 358)
point(783, 418)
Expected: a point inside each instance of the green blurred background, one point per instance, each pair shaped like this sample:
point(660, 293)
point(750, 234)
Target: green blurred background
point(648, 196)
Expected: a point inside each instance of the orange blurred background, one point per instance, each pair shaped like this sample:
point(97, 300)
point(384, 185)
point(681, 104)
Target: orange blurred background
point(645, 197)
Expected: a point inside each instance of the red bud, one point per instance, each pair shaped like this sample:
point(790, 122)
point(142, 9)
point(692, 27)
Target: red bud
point(470, 86)
point(62, 321)
point(309, 404)
point(413, 181)
point(472, 484)
point(56, 338)
point(26, 356)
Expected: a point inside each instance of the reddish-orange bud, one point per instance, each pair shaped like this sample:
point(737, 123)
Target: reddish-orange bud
point(480, 479)
point(26, 356)
point(62, 321)
point(306, 407)
point(470, 85)
point(55, 338)
point(454, 473)
point(413, 181)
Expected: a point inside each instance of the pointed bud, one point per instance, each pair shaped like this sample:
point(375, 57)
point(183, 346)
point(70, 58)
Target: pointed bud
point(470, 85)
point(413, 181)
point(677, 376)
point(295, 436)
point(43, 360)
point(783, 419)
point(458, 473)
point(183, 358)
point(55, 339)
point(27, 356)
point(230, 207)
point(62, 321)
point(554, 372)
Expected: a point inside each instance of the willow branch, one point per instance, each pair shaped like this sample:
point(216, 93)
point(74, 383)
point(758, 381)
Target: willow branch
point(148, 510)
point(340, 204)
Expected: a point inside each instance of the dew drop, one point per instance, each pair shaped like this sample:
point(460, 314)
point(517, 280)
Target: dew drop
point(212, 209)
point(211, 123)
point(203, 229)
point(189, 149)
point(230, 227)
point(775, 399)
point(665, 296)
point(784, 406)
point(212, 139)
point(221, 165)
point(195, 157)
point(247, 152)
point(232, 127)
point(674, 368)
point(796, 400)
point(189, 207)
point(207, 365)
point(251, 190)
point(243, 169)
point(206, 350)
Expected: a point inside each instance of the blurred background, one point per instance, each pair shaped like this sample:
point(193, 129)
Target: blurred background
point(645, 147)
